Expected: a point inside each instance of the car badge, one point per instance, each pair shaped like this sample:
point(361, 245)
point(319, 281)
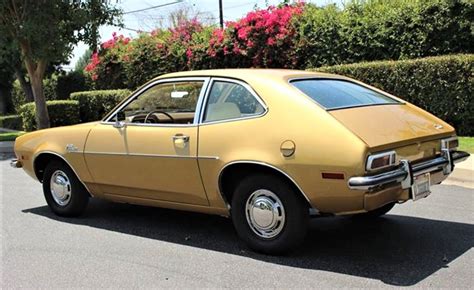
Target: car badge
point(71, 148)
point(438, 126)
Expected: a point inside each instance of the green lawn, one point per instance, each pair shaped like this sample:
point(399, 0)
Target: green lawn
point(10, 136)
point(466, 144)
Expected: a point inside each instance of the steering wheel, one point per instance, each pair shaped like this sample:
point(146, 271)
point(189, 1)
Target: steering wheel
point(157, 111)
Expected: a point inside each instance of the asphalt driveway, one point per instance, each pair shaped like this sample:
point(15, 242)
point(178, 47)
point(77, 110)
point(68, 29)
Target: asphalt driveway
point(427, 243)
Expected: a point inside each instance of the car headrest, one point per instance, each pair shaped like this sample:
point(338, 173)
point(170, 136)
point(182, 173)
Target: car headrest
point(221, 111)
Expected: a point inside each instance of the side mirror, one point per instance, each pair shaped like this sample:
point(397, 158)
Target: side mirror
point(120, 120)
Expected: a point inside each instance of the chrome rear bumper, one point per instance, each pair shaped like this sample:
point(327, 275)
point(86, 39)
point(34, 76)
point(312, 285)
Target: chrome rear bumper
point(406, 171)
point(15, 163)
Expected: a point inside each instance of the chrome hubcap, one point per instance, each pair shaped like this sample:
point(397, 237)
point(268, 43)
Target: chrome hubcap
point(265, 213)
point(60, 187)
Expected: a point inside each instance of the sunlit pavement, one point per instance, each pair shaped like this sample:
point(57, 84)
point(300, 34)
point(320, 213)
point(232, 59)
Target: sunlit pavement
point(427, 243)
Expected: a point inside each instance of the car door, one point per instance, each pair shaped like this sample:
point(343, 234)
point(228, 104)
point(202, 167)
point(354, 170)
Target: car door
point(147, 148)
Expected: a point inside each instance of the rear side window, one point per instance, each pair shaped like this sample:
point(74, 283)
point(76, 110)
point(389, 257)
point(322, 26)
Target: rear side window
point(339, 94)
point(228, 100)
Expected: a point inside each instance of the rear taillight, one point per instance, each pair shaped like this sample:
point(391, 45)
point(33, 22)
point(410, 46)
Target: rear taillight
point(450, 143)
point(381, 160)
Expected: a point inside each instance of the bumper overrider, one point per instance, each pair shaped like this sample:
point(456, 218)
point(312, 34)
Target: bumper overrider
point(15, 163)
point(404, 174)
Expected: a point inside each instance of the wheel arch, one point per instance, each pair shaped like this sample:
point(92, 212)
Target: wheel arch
point(43, 158)
point(234, 171)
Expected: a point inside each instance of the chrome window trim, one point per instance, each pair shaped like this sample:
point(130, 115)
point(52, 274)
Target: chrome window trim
point(312, 209)
point(398, 100)
point(235, 81)
point(370, 160)
point(64, 159)
point(205, 80)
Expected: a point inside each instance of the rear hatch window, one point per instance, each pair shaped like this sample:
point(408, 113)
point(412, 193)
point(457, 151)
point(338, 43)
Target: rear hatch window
point(339, 94)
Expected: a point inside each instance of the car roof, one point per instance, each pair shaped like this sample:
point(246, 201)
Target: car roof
point(249, 74)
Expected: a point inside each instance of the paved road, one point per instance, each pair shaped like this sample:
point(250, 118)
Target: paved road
point(425, 244)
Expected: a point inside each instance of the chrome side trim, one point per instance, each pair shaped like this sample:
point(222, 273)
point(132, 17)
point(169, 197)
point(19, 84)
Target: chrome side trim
point(239, 82)
point(64, 159)
point(263, 164)
point(136, 94)
point(149, 155)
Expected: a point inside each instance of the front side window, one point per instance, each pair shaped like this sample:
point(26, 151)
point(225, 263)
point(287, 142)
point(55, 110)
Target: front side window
point(169, 103)
point(338, 94)
point(228, 100)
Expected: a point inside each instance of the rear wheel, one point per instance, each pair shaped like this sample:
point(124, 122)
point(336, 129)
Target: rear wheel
point(268, 214)
point(64, 193)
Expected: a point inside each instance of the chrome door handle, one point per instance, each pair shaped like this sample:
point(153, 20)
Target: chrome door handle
point(182, 137)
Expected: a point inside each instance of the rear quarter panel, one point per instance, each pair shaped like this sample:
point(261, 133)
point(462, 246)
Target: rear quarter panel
point(322, 144)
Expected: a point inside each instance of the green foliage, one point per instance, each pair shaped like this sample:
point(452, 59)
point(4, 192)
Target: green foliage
point(49, 27)
point(12, 122)
point(61, 112)
point(291, 36)
point(56, 87)
point(441, 85)
point(82, 61)
point(147, 59)
point(10, 136)
point(381, 30)
point(93, 105)
point(38, 33)
point(74, 81)
point(6, 84)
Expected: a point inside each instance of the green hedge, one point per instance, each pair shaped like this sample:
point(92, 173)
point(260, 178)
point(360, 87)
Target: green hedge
point(58, 86)
point(441, 85)
point(93, 105)
point(12, 122)
point(61, 113)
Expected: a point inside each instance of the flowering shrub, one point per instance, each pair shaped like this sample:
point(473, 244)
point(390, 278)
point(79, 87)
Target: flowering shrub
point(264, 37)
point(289, 36)
point(106, 66)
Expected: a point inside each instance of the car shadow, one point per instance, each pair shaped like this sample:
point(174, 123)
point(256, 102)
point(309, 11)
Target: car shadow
point(397, 250)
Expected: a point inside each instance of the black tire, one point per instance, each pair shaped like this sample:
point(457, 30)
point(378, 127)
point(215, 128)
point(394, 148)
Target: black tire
point(79, 197)
point(377, 212)
point(296, 213)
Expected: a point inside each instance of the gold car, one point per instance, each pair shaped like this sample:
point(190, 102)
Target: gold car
point(268, 148)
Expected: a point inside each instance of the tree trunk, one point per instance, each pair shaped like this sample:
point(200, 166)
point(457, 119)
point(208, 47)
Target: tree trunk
point(42, 116)
point(36, 71)
point(25, 86)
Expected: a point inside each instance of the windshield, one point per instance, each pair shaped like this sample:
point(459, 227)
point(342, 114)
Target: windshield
point(338, 94)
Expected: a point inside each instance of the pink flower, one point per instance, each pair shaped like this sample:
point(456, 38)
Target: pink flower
point(242, 33)
point(189, 53)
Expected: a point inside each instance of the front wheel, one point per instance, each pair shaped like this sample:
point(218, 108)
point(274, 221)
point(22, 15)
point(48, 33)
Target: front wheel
point(64, 193)
point(269, 214)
